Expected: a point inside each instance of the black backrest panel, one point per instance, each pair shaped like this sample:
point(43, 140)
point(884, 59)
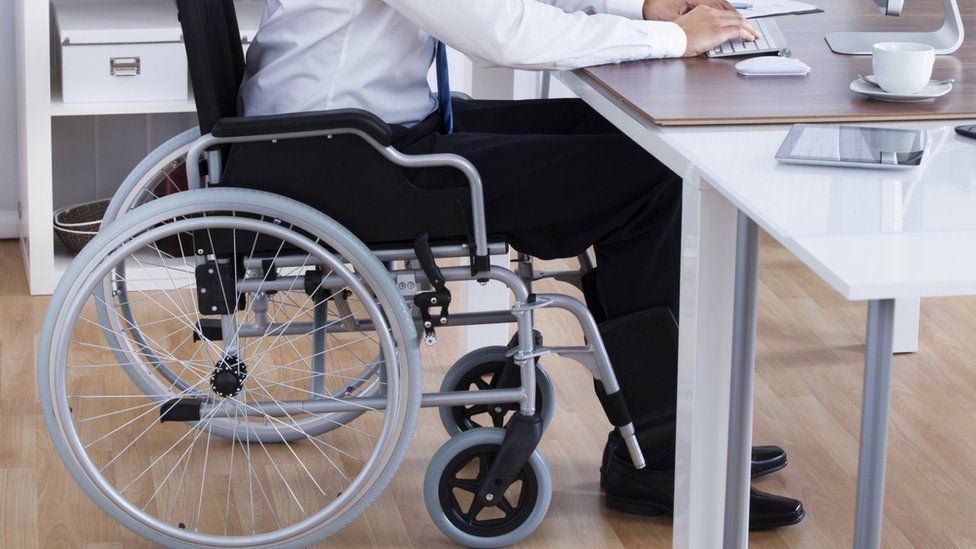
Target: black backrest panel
point(215, 55)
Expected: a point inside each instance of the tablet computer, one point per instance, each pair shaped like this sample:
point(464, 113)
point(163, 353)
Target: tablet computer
point(853, 146)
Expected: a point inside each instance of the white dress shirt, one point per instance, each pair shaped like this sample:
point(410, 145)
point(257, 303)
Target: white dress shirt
point(375, 54)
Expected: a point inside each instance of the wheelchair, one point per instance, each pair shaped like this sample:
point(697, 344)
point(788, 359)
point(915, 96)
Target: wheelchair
point(234, 361)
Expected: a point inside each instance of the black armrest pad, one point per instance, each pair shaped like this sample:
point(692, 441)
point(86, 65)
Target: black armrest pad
point(280, 124)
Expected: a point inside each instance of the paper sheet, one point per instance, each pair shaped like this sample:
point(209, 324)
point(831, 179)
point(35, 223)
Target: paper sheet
point(766, 8)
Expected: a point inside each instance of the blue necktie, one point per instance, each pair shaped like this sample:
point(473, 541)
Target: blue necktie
point(444, 102)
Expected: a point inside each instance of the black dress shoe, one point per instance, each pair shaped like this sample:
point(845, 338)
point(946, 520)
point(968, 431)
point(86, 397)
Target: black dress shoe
point(765, 459)
point(650, 492)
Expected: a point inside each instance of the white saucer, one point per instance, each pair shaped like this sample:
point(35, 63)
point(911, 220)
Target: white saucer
point(931, 92)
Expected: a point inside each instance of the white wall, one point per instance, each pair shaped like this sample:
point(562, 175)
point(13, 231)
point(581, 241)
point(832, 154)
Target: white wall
point(8, 124)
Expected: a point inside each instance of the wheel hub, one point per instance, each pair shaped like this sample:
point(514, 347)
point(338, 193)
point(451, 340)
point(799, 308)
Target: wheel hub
point(227, 379)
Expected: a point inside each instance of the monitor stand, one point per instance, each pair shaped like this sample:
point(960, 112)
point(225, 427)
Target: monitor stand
point(946, 40)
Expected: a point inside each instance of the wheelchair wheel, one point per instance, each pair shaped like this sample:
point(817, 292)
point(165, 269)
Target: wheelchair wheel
point(205, 476)
point(452, 480)
point(163, 173)
point(479, 370)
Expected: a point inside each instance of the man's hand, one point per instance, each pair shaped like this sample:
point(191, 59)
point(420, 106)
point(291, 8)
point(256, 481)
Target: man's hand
point(708, 27)
point(669, 10)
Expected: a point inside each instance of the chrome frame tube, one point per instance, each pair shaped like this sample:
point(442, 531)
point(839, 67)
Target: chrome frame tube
point(319, 319)
point(399, 254)
point(361, 325)
point(328, 404)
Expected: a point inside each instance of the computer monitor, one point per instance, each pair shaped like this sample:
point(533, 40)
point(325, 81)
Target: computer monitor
point(946, 40)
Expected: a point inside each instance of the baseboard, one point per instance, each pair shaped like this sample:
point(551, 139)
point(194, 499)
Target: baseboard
point(9, 224)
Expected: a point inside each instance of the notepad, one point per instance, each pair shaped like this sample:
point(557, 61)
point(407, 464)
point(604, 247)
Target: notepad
point(768, 8)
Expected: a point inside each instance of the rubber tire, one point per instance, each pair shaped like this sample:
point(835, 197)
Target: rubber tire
point(290, 210)
point(446, 453)
point(546, 407)
point(148, 165)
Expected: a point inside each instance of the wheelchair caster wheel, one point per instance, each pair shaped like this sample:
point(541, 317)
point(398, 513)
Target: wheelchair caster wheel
point(452, 481)
point(479, 370)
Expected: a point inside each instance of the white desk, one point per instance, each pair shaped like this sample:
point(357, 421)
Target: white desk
point(871, 235)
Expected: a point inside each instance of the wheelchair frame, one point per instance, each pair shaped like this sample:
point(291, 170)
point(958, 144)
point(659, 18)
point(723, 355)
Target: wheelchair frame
point(592, 356)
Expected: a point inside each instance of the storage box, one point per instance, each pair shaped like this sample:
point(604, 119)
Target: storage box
point(120, 51)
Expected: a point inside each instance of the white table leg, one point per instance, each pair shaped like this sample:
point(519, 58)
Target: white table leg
point(907, 312)
point(743, 373)
point(874, 425)
point(704, 365)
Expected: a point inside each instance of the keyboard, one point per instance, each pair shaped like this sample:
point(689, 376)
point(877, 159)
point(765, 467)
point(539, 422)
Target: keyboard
point(772, 42)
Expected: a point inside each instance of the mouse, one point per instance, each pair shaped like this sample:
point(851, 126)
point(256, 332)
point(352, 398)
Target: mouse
point(772, 66)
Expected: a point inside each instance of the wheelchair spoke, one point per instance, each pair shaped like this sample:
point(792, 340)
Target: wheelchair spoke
point(203, 474)
point(289, 323)
point(323, 416)
point(272, 419)
point(117, 412)
point(290, 449)
point(123, 426)
point(363, 407)
point(184, 456)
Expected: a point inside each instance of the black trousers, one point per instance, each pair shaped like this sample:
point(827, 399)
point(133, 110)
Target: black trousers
point(558, 178)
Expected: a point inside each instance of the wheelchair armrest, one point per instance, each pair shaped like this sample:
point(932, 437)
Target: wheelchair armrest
point(284, 124)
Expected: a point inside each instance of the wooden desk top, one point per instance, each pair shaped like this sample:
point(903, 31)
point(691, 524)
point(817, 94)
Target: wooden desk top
point(704, 91)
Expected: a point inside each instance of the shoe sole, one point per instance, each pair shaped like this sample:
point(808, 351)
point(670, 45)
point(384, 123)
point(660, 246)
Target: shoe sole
point(796, 520)
point(771, 470)
point(632, 507)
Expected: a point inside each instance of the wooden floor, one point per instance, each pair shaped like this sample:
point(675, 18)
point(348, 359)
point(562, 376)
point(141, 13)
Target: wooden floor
point(807, 400)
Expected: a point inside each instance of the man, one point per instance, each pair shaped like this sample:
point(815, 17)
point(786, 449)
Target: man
point(558, 178)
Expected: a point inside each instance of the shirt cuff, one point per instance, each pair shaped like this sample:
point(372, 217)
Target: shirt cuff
point(631, 9)
point(669, 39)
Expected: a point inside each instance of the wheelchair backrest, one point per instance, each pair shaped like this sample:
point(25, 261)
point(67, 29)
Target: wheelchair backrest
point(215, 56)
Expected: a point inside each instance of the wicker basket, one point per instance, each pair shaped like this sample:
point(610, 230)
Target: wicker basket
point(77, 225)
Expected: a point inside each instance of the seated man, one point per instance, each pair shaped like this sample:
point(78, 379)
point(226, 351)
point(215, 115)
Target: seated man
point(558, 178)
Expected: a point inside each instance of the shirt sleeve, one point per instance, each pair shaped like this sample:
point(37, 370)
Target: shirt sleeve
point(541, 35)
point(631, 9)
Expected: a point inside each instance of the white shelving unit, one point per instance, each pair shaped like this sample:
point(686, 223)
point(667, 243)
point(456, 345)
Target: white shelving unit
point(59, 108)
point(40, 114)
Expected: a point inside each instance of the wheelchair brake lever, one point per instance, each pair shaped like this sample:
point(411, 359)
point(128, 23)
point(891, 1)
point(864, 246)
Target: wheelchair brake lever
point(440, 296)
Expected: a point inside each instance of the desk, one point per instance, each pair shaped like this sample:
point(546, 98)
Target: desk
point(725, 197)
point(659, 88)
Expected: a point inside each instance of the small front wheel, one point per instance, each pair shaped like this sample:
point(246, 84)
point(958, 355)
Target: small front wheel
point(480, 370)
point(454, 477)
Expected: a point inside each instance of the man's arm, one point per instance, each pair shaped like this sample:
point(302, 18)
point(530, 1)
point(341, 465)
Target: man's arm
point(529, 34)
point(631, 9)
point(652, 10)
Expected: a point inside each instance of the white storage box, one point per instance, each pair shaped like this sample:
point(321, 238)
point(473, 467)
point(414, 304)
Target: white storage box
point(118, 51)
point(249, 16)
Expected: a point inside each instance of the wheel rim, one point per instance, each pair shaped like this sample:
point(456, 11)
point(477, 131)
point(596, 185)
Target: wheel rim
point(72, 310)
point(460, 482)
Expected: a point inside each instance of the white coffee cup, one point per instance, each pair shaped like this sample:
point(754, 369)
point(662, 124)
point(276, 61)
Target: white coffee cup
point(903, 67)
